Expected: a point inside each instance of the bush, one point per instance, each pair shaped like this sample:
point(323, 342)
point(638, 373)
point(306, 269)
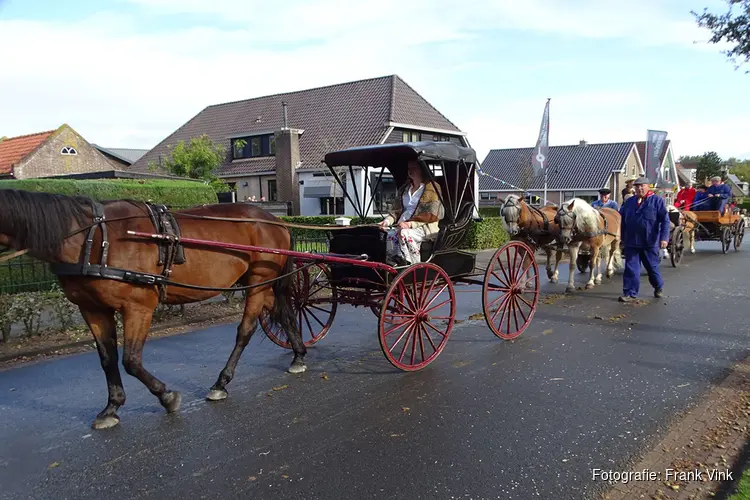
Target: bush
point(173, 193)
point(489, 233)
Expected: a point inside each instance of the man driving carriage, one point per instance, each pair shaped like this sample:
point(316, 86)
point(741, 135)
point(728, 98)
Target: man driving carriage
point(605, 201)
point(718, 194)
point(416, 212)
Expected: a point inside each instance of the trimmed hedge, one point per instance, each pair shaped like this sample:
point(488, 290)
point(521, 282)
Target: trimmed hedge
point(173, 193)
point(486, 234)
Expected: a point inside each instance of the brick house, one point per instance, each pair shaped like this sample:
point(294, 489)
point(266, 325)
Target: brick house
point(574, 171)
point(50, 154)
point(275, 144)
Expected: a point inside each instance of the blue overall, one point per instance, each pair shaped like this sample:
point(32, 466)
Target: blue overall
point(610, 204)
point(721, 194)
point(699, 203)
point(643, 227)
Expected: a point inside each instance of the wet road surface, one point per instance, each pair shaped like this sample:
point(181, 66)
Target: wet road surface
point(487, 419)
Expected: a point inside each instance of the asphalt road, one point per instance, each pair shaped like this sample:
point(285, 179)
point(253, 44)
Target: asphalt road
point(487, 419)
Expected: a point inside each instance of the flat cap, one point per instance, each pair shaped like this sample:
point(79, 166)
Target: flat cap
point(605, 190)
point(715, 178)
point(641, 180)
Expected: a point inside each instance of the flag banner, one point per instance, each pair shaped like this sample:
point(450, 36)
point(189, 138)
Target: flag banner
point(541, 150)
point(655, 142)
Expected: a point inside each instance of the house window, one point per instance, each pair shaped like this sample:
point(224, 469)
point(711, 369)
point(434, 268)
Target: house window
point(332, 206)
point(441, 138)
point(68, 151)
point(484, 196)
point(408, 136)
point(254, 146)
point(272, 190)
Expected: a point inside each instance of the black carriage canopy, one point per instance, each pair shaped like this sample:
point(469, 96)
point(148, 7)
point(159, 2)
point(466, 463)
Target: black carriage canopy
point(457, 164)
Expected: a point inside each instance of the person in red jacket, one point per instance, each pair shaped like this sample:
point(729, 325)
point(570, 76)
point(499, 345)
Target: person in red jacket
point(685, 197)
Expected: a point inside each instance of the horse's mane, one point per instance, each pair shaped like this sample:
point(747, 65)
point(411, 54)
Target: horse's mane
point(40, 222)
point(587, 217)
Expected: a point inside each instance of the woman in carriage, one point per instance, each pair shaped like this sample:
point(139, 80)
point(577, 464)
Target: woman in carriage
point(416, 213)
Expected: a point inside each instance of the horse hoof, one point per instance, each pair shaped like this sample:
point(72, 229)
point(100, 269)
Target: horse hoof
point(589, 286)
point(553, 280)
point(171, 401)
point(297, 368)
point(598, 281)
point(216, 395)
point(570, 289)
point(105, 422)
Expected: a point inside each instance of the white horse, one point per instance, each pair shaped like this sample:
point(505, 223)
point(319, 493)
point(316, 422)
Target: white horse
point(583, 227)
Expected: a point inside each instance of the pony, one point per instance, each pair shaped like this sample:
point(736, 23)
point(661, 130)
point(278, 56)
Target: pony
point(689, 224)
point(54, 228)
point(586, 228)
point(534, 225)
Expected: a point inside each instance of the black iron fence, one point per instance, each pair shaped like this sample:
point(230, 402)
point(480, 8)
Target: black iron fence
point(25, 274)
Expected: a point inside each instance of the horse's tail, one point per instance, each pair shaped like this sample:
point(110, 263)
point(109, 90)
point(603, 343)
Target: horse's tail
point(282, 313)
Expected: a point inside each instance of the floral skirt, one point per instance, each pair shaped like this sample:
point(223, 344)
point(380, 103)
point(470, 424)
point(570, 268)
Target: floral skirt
point(405, 243)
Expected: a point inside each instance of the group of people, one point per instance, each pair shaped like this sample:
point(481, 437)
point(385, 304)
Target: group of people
point(715, 197)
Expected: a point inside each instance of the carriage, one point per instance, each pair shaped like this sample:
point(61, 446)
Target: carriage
point(415, 304)
point(127, 256)
point(713, 226)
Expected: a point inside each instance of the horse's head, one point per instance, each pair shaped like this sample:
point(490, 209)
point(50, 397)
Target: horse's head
point(565, 218)
point(511, 213)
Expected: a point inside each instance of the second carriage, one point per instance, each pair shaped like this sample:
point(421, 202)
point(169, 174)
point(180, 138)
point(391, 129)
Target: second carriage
point(415, 304)
point(727, 228)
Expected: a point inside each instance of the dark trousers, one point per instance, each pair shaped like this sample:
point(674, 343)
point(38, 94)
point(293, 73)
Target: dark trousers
point(631, 278)
point(716, 203)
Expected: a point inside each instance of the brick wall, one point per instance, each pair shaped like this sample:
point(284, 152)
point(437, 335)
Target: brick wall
point(48, 160)
point(287, 159)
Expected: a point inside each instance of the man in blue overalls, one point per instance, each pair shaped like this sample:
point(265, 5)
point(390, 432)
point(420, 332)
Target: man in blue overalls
point(644, 229)
point(604, 201)
point(719, 194)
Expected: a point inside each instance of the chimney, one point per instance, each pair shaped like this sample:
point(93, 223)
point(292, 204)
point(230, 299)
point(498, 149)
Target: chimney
point(583, 143)
point(287, 161)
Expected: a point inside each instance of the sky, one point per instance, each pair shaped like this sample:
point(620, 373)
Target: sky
point(127, 73)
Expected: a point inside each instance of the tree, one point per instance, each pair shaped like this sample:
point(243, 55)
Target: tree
point(740, 168)
point(197, 159)
point(708, 166)
point(689, 160)
point(731, 27)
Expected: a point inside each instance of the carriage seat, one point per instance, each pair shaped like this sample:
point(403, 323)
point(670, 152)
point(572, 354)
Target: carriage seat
point(446, 226)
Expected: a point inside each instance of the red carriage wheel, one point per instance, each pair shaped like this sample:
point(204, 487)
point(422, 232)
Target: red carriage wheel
point(314, 304)
point(417, 316)
point(511, 290)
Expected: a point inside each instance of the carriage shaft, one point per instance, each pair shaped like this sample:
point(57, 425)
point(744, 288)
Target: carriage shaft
point(311, 257)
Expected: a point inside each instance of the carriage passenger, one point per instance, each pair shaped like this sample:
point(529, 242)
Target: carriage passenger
point(686, 196)
point(416, 212)
point(699, 202)
point(719, 194)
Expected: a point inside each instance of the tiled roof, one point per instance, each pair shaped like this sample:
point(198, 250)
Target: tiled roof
point(570, 167)
point(129, 155)
point(333, 117)
point(15, 149)
point(641, 147)
point(250, 166)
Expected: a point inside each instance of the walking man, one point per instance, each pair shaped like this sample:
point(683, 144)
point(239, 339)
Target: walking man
point(644, 230)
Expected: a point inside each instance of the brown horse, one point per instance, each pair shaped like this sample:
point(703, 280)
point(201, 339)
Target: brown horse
point(54, 228)
point(587, 228)
point(689, 225)
point(535, 226)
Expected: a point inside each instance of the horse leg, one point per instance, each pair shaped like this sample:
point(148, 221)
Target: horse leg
point(254, 303)
point(594, 266)
point(136, 322)
point(603, 259)
point(573, 256)
point(691, 237)
point(613, 249)
point(558, 258)
point(104, 329)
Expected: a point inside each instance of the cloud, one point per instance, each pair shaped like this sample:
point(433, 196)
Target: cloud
point(121, 82)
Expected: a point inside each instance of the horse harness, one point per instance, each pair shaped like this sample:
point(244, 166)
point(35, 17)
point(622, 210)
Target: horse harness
point(171, 252)
point(577, 236)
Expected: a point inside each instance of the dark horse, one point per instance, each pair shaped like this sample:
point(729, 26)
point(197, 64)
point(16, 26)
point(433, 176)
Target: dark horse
point(42, 223)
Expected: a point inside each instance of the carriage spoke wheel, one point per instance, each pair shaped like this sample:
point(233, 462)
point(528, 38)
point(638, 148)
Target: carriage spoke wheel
point(511, 290)
point(726, 239)
point(314, 303)
point(678, 247)
point(582, 263)
point(739, 234)
point(417, 316)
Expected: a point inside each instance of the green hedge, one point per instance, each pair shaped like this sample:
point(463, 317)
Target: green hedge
point(489, 233)
point(173, 193)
